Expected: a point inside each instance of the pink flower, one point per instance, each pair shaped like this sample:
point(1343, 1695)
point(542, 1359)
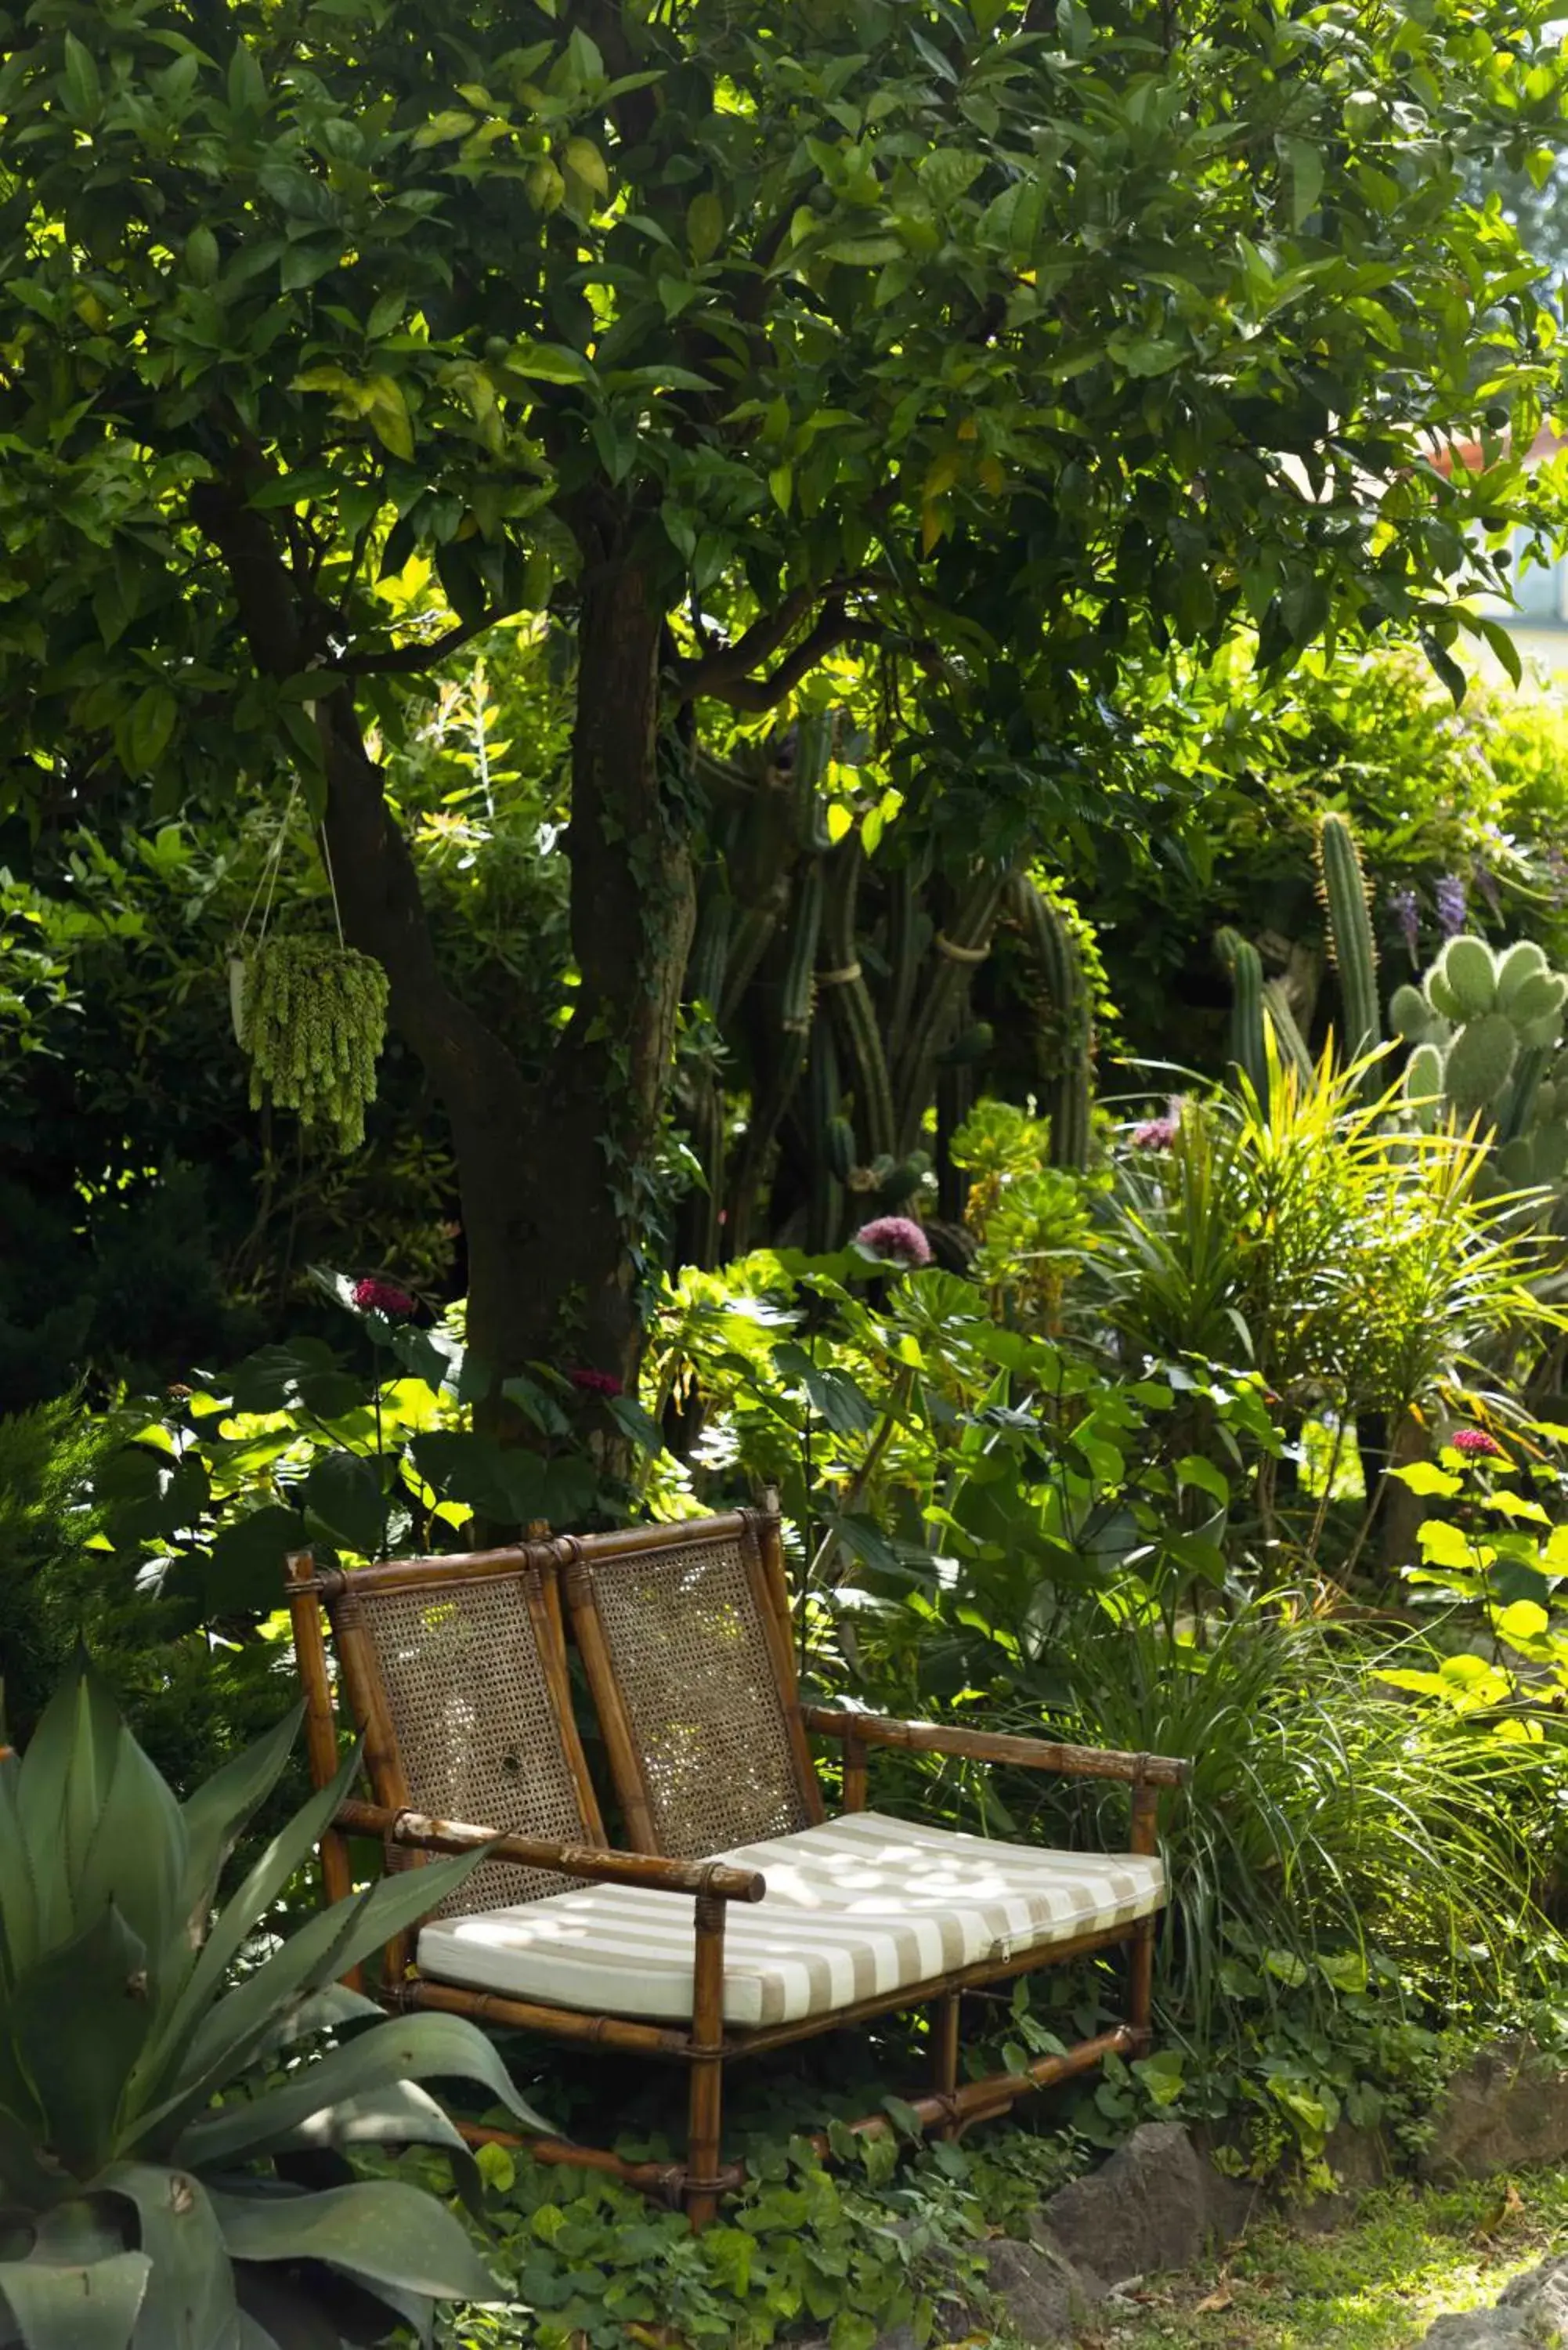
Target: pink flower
point(897, 1239)
point(373, 1296)
point(1476, 1444)
point(597, 1383)
point(1155, 1133)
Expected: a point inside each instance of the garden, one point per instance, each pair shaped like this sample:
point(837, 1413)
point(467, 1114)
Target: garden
point(784, 1176)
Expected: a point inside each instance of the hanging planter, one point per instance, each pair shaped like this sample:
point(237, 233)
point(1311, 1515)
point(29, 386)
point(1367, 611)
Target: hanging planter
point(311, 1016)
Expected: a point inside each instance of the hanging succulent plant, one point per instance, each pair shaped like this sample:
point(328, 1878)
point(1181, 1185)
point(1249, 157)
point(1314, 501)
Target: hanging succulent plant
point(311, 1015)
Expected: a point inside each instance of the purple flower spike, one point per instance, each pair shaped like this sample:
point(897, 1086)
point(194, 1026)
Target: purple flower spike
point(1451, 898)
point(1404, 907)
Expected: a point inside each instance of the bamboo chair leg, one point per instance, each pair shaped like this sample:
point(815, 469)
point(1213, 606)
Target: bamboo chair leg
point(706, 2103)
point(945, 2053)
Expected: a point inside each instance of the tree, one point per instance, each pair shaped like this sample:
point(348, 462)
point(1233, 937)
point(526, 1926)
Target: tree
point(993, 337)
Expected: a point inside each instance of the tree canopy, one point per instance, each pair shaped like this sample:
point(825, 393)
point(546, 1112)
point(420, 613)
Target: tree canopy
point(992, 342)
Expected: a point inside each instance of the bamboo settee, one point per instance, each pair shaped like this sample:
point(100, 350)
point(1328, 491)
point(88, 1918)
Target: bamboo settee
point(456, 1670)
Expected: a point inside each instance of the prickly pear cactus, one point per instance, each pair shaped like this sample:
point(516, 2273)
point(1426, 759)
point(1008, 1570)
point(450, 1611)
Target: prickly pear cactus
point(1485, 1032)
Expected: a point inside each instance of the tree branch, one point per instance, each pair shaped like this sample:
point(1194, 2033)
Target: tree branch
point(757, 694)
point(404, 659)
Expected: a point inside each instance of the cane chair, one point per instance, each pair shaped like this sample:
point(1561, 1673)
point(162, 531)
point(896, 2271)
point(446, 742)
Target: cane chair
point(456, 1673)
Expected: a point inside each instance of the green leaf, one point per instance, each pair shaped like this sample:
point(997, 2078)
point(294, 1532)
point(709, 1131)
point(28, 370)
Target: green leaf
point(394, 2234)
point(344, 1491)
point(189, 2303)
point(90, 2308)
point(411, 2048)
point(1305, 163)
point(82, 83)
point(704, 225)
point(221, 1804)
point(247, 90)
point(1424, 1477)
point(1192, 1468)
point(244, 1571)
point(550, 363)
point(1525, 1620)
point(201, 256)
point(79, 2076)
point(150, 729)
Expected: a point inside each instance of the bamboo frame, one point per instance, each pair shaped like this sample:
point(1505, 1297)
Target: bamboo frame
point(707, 2045)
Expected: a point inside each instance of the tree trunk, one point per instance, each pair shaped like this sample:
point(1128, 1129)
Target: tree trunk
point(560, 1196)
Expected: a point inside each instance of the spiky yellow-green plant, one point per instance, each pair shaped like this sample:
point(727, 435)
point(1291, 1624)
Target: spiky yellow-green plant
point(312, 1018)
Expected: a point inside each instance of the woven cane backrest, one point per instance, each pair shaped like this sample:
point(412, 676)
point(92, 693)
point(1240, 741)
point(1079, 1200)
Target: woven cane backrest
point(478, 1733)
point(683, 1632)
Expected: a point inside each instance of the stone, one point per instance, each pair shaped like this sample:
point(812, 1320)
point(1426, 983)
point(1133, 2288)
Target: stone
point(1043, 2296)
point(1540, 2299)
point(1155, 2205)
point(1478, 2329)
point(1531, 2315)
point(1506, 2108)
point(1360, 2160)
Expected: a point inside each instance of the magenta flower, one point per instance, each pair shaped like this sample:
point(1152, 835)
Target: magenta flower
point(1155, 1133)
point(1475, 1444)
point(596, 1383)
point(373, 1296)
point(897, 1239)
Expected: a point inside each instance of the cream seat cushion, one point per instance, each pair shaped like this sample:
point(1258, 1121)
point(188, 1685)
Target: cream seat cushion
point(860, 1905)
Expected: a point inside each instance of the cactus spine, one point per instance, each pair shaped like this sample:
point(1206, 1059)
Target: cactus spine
point(1342, 886)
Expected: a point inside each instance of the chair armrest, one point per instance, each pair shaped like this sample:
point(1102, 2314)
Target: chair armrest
point(998, 1746)
point(421, 1833)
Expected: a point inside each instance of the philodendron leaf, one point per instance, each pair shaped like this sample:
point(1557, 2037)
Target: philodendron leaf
point(386, 2233)
point(89, 2308)
point(410, 2048)
point(189, 2301)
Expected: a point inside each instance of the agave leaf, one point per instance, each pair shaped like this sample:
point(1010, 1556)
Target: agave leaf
point(386, 2233)
point(219, 1807)
point(322, 2012)
point(403, 2115)
point(411, 2048)
point(134, 1855)
point(89, 2308)
point(228, 2036)
point(18, 1893)
point(68, 1761)
point(417, 2310)
point(189, 2303)
point(241, 1914)
point(24, 2179)
point(78, 2020)
point(253, 2336)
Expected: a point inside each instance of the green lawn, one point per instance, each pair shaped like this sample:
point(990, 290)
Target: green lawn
point(1375, 2284)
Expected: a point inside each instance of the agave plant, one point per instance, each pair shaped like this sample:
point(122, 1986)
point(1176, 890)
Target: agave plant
point(157, 2102)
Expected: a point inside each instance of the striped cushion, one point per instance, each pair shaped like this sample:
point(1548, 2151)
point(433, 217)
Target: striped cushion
point(861, 1906)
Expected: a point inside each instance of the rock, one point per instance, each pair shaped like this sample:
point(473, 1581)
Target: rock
point(1506, 2108)
point(1154, 2205)
point(1540, 2299)
point(1478, 2329)
point(1360, 2160)
point(1533, 2312)
point(1044, 2298)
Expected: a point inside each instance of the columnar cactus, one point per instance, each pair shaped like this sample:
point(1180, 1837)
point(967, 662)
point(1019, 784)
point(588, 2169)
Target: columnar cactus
point(1248, 1050)
point(1342, 887)
point(1486, 1031)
